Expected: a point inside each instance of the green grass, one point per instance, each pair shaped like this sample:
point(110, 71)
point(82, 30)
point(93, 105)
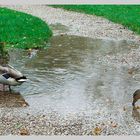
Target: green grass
point(22, 30)
point(127, 15)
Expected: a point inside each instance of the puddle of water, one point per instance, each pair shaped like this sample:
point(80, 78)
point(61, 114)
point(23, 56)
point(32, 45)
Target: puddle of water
point(69, 77)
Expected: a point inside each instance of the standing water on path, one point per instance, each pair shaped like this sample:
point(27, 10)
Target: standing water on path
point(79, 75)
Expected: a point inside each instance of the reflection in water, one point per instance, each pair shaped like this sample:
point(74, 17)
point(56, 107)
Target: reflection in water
point(14, 99)
point(136, 114)
point(69, 76)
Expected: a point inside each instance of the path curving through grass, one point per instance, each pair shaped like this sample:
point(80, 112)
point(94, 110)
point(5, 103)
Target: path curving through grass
point(127, 15)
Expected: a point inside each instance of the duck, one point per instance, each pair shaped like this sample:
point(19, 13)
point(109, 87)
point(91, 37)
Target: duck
point(136, 96)
point(11, 76)
point(32, 52)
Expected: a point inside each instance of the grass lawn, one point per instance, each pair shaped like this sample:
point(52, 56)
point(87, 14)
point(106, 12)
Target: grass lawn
point(22, 30)
point(127, 15)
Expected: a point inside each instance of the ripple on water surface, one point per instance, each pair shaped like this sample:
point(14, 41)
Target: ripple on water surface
point(78, 74)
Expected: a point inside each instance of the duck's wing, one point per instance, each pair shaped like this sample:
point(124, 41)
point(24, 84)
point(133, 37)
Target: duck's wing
point(8, 65)
point(4, 78)
point(1, 72)
point(11, 71)
point(15, 73)
point(6, 75)
point(11, 67)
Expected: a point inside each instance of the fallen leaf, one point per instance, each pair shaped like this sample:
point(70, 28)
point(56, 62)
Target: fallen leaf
point(113, 124)
point(24, 131)
point(61, 34)
point(130, 71)
point(137, 107)
point(24, 105)
point(97, 131)
point(124, 109)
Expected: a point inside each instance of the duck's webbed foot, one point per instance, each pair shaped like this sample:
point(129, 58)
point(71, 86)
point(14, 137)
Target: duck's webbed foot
point(10, 88)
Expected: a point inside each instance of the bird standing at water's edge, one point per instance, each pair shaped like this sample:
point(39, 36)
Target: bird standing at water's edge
point(136, 96)
point(11, 77)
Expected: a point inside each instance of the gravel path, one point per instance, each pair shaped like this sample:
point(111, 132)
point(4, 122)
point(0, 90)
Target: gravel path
point(19, 121)
point(79, 24)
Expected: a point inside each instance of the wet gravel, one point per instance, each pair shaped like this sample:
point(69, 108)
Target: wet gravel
point(20, 121)
point(53, 124)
